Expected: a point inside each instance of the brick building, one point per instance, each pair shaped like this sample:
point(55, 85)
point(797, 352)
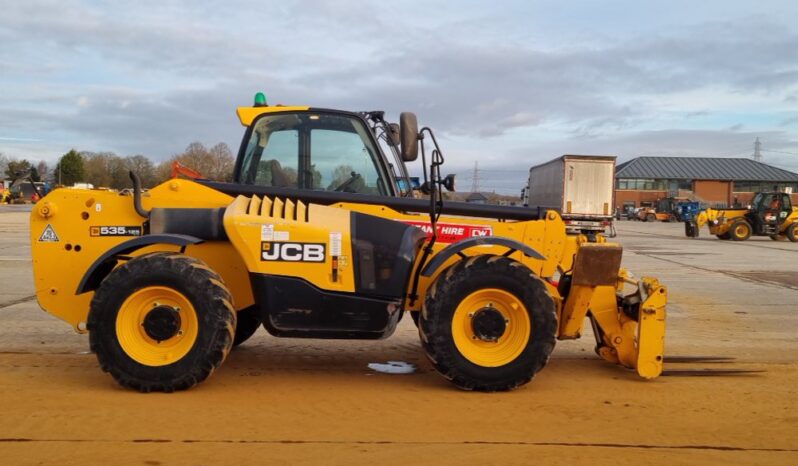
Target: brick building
point(715, 181)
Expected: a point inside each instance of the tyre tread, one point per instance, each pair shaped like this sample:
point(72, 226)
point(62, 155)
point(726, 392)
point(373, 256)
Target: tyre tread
point(196, 273)
point(437, 343)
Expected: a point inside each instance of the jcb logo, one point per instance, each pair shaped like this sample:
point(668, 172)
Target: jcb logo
point(292, 252)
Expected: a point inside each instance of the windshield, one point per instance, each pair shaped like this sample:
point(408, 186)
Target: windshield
point(756, 203)
point(395, 163)
point(317, 151)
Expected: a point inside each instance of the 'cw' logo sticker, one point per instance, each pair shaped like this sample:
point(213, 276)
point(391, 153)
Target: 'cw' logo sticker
point(292, 252)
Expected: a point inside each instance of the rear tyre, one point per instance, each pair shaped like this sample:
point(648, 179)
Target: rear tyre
point(488, 324)
point(161, 322)
point(792, 232)
point(651, 218)
point(740, 230)
point(691, 229)
point(248, 322)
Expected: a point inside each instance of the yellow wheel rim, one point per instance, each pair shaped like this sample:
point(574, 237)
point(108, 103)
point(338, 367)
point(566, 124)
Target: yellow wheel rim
point(135, 341)
point(512, 341)
point(741, 231)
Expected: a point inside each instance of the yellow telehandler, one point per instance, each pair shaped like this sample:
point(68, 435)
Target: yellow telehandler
point(321, 236)
point(770, 214)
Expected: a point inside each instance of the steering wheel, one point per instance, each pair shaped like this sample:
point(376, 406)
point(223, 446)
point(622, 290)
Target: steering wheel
point(353, 178)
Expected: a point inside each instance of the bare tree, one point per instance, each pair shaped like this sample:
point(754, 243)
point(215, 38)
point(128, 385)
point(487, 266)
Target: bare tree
point(224, 162)
point(107, 169)
point(97, 166)
point(44, 171)
point(143, 167)
point(3, 164)
point(215, 163)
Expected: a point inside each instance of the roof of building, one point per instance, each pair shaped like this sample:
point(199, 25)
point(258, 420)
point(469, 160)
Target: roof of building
point(702, 168)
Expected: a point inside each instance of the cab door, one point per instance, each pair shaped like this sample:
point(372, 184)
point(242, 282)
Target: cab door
point(786, 208)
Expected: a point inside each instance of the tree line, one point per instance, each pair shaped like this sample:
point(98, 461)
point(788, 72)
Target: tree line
point(106, 169)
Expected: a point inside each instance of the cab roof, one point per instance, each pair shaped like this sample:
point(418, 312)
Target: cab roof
point(248, 114)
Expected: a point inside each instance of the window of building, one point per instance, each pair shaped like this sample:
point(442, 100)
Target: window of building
point(762, 186)
point(642, 184)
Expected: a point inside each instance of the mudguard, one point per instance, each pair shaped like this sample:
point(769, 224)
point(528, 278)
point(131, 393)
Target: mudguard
point(106, 263)
point(456, 248)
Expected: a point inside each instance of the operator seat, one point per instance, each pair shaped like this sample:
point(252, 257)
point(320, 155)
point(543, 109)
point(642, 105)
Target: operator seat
point(271, 173)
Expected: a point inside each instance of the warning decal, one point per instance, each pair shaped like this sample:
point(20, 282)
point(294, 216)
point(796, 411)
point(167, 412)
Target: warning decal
point(48, 235)
point(453, 232)
point(335, 243)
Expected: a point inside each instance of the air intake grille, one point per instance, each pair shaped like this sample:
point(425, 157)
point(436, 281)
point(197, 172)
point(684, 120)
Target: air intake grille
point(285, 209)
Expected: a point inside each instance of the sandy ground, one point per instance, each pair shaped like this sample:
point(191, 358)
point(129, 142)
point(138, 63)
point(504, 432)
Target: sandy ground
point(316, 402)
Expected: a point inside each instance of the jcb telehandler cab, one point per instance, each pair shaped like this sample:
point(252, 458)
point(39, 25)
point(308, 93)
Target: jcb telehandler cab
point(770, 214)
point(318, 237)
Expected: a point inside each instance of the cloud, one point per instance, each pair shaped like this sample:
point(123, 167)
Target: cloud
point(789, 121)
point(698, 113)
point(508, 175)
point(152, 77)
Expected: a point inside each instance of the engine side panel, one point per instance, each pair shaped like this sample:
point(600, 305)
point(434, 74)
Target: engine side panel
point(280, 237)
point(331, 248)
point(71, 228)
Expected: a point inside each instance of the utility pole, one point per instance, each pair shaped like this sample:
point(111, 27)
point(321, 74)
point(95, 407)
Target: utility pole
point(757, 150)
point(475, 178)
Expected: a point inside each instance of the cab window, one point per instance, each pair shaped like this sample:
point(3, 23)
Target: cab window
point(321, 151)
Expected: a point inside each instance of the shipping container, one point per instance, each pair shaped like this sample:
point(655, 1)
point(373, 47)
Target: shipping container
point(581, 187)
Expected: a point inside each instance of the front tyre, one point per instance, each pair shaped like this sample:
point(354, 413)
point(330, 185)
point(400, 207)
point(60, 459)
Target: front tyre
point(161, 322)
point(488, 324)
point(740, 230)
point(792, 232)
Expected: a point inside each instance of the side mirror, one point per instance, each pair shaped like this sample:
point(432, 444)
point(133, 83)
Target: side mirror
point(408, 134)
point(448, 183)
point(393, 134)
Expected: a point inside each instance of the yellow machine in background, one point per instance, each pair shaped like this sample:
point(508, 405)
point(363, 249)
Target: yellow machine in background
point(320, 236)
point(771, 214)
point(663, 211)
point(650, 214)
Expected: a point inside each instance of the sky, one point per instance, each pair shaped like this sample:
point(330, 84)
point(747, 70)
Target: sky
point(507, 84)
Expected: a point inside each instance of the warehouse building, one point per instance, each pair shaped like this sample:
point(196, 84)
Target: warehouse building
point(718, 182)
